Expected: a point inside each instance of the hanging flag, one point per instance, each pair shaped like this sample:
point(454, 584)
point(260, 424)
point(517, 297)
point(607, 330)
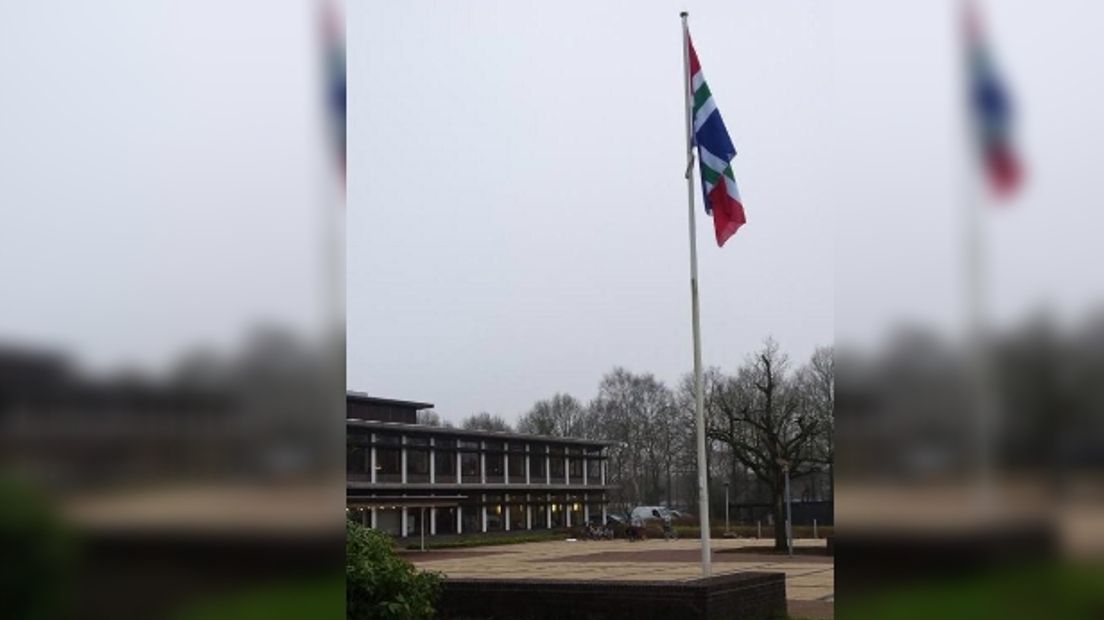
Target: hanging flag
point(990, 111)
point(333, 37)
point(715, 153)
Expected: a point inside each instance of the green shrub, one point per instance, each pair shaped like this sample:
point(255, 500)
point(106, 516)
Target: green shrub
point(37, 555)
point(379, 585)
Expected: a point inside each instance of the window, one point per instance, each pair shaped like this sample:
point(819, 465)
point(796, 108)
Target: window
point(417, 465)
point(556, 465)
point(517, 467)
point(388, 465)
point(356, 460)
point(471, 517)
point(469, 466)
point(594, 471)
point(496, 514)
point(540, 513)
point(495, 462)
point(537, 461)
point(575, 468)
point(517, 512)
point(445, 466)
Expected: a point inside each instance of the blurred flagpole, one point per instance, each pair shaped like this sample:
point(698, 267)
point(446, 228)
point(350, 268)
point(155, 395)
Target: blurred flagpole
point(699, 415)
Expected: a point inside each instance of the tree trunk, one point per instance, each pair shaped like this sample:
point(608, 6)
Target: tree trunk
point(778, 510)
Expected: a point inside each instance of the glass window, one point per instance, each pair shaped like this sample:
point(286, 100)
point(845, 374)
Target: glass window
point(471, 517)
point(556, 465)
point(576, 470)
point(446, 521)
point(388, 464)
point(559, 511)
point(537, 461)
point(356, 460)
point(469, 466)
point(517, 512)
point(445, 466)
point(517, 467)
point(594, 471)
point(495, 465)
point(496, 514)
point(540, 513)
point(417, 465)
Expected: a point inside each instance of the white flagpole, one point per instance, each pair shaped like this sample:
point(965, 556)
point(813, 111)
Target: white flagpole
point(699, 415)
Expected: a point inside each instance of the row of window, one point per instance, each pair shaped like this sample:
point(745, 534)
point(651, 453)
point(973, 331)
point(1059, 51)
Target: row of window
point(447, 462)
point(513, 512)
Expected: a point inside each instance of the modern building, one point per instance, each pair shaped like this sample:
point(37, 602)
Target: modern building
point(413, 479)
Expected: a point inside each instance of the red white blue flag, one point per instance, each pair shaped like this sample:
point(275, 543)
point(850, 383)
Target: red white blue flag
point(990, 110)
point(715, 153)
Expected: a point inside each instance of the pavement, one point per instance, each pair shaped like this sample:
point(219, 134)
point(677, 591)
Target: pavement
point(810, 573)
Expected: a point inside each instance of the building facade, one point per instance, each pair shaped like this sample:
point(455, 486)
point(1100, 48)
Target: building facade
point(411, 479)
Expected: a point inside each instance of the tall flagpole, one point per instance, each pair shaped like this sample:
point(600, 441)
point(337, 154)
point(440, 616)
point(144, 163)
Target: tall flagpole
point(699, 414)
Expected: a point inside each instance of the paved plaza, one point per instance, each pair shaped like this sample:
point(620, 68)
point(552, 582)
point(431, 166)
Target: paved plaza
point(809, 573)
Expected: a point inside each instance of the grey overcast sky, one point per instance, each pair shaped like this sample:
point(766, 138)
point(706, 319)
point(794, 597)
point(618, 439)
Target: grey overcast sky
point(899, 162)
point(161, 173)
point(517, 208)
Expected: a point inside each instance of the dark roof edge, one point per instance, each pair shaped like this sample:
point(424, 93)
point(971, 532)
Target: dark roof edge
point(444, 430)
point(365, 398)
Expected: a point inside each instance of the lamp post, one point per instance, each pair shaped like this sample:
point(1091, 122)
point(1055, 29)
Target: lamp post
point(726, 508)
point(789, 519)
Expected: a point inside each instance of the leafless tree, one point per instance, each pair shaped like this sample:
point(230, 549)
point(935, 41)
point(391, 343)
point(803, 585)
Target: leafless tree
point(560, 416)
point(771, 425)
point(484, 421)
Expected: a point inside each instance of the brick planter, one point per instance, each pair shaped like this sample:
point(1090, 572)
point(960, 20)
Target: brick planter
point(732, 597)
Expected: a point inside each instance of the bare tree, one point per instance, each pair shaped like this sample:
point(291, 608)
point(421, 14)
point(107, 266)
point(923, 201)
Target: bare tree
point(770, 427)
point(560, 416)
point(484, 421)
point(430, 417)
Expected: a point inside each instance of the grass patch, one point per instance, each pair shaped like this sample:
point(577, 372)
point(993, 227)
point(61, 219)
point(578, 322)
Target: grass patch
point(287, 601)
point(1054, 591)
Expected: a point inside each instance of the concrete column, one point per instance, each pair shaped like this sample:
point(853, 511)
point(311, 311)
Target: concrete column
point(526, 463)
point(528, 514)
point(402, 440)
point(604, 518)
point(586, 513)
point(602, 466)
point(432, 522)
point(567, 470)
point(373, 518)
point(484, 514)
point(506, 513)
point(586, 462)
point(548, 509)
point(567, 514)
point(459, 521)
point(432, 464)
point(372, 460)
point(402, 523)
point(547, 467)
point(506, 462)
point(483, 467)
point(459, 479)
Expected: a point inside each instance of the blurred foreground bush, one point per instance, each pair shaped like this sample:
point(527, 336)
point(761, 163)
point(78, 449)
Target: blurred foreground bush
point(379, 584)
point(36, 556)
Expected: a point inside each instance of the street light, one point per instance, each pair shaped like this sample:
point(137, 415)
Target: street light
point(789, 519)
point(726, 508)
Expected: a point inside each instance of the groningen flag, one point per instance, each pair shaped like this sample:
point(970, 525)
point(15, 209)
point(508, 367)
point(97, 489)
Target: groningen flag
point(715, 153)
point(333, 39)
point(990, 111)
